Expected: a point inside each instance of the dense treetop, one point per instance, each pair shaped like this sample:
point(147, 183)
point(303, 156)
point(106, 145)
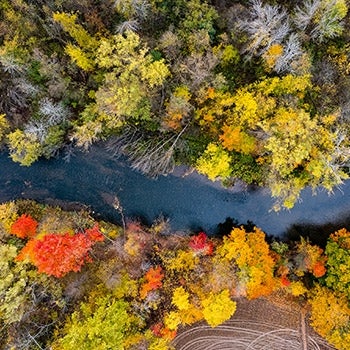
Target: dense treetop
point(68, 281)
point(236, 89)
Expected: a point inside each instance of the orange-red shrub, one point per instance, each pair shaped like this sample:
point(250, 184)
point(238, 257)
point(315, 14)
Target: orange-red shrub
point(56, 254)
point(24, 227)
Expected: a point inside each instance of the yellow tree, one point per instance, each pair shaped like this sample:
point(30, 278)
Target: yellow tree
point(218, 308)
point(128, 77)
point(330, 316)
point(24, 147)
point(297, 147)
point(82, 51)
point(250, 254)
point(214, 162)
point(4, 125)
point(233, 138)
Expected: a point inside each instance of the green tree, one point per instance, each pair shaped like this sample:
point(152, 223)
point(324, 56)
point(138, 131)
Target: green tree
point(131, 75)
point(128, 78)
point(14, 287)
point(99, 324)
point(338, 262)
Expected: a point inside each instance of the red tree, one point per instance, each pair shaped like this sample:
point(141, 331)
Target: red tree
point(56, 254)
point(201, 245)
point(24, 227)
point(94, 234)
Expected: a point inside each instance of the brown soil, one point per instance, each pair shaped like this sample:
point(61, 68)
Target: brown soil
point(274, 323)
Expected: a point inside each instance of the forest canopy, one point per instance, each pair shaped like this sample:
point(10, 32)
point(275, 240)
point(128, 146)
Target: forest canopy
point(69, 281)
point(248, 90)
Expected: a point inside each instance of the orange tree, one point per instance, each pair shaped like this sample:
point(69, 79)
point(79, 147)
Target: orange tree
point(58, 254)
point(24, 227)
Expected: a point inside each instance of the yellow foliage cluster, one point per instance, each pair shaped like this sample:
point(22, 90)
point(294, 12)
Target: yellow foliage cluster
point(182, 261)
point(213, 107)
point(218, 308)
point(250, 253)
point(8, 215)
point(180, 298)
point(342, 237)
point(172, 320)
point(24, 148)
point(187, 313)
point(177, 108)
point(297, 288)
point(292, 138)
point(214, 162)
point(81, 54)
point(233, 138)
point(4, 125)
point(289, 84)
point(13, 286)
point(330, 316)
point(126, 287)
point(79, 57)
point(246, 108)
point(272, 55)
point(78, 33)
point(286, 137)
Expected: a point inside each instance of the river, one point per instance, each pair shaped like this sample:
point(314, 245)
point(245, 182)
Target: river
point(191, 202)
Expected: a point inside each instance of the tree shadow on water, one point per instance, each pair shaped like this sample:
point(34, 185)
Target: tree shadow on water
point(225, 228)
point(317, 234)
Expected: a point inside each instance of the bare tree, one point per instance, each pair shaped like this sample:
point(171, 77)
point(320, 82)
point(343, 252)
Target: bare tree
point(304, 15)
point(291, 52)
point(54, 113)
point(15, 90)
point(10, 66)
point(197, 68)
point(37, 128)
point(51, 114)
point(132, 25)
point(265, 26)
point(149, 155)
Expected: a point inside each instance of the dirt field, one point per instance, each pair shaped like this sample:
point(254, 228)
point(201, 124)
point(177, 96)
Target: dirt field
point(275, 323)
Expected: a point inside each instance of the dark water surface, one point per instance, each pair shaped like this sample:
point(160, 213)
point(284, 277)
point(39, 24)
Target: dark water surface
point(190, 202)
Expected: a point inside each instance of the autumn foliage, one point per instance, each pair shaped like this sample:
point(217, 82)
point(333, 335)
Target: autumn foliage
point(58, 254)
point(24, 227)
point(312, 258)
point(188, 282)
point(250, 253)
point(153, 279)
point(94, 234)
point(201, 245)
